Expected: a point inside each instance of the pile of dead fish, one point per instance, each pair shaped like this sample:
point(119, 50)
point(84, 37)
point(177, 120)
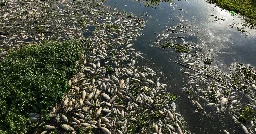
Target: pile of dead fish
point(110, 94)
point(24, 22)
point(211, 89)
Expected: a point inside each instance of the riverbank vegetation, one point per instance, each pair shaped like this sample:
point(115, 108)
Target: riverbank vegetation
point(32, 80)
point(244, 7)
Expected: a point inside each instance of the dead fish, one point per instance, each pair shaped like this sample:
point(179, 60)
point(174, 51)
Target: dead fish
point(171, 127)
point(76, 120)
point(73, 123)
point(77, 88)
point(70, 103)
point(98, 112)
point(254, 86)
point(142, 75)
point(234, 101)
point(97, 93)
point(65, 118)
point(226, 132)
point(198, 105)
point(105, 130)
point(211, 104)
point(99, 82)
point(88, 103)
point(98, 64)
point(105, 96)
point(156, 127)
point(245, 129)
point(224, 100)
point(133, 62)
point(104, 86)
point(90, 95)
point(69, 83)
point(105, 119)
point(150, 81)
point(67, 127)
point(93, 81)
point(81, 101)
point(83, 94)
point(112, 99)
point(129, 72)
point(122, 113)
point(44, 132)
point(106, 110)
point(93, 122)
point(170, 115)
point(191, 64)
point(121, 83)
point(85, 109)
point(119, 132)
point(114, 78)
point(178, 128)
point(85, 124)
point(49, 127)
point(129, 45)
point(94, 66)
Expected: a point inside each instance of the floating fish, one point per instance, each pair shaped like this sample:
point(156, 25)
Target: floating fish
point(67, 127)
point(105, 130)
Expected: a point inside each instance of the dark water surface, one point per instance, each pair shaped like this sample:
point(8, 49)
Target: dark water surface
point(209, 26)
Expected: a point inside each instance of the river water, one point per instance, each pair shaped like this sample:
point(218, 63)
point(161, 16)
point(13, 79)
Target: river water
point(215, 29)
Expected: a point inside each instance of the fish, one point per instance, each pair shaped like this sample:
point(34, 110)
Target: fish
point(65, 118)
point(129, 45)
point(98, 112)
point(67, 127)
point(49, 127)
point(105, 96)
point(105, 130)
point(83, 94)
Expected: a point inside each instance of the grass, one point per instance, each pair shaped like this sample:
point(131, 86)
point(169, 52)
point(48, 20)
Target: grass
point(244, 7)
point(32, 79)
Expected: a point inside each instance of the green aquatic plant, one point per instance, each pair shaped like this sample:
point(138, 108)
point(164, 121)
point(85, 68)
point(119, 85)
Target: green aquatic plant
point(112, 27)
point(181, 48)
point(154, 3)
point(167, 45)
point(244, 7)
point(173, 97)
point(34, 78)
point(189, 91)
point(246, 114)
point(110, 70)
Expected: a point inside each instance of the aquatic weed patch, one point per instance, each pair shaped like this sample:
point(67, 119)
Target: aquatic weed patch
point(32, 79)
point(153, 3)
point(244, 7)
point(180, 48)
